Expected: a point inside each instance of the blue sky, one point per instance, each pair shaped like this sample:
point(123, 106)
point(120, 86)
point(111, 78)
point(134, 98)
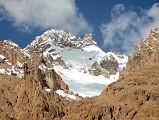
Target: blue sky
point(117, 25)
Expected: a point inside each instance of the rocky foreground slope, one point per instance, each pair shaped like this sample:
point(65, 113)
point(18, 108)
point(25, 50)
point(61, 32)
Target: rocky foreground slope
point(26, 100)
point(133, 97)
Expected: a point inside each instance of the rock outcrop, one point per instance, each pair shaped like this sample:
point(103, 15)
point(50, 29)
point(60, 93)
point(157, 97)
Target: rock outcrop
point(36, 68)
point(11, 58)
point(110, 64)
point(12, 52)
point(96, 70)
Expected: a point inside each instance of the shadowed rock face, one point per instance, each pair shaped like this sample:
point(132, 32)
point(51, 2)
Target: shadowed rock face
point(106, 67)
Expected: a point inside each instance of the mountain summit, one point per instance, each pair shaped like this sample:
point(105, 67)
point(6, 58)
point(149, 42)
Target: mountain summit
point(80, 62)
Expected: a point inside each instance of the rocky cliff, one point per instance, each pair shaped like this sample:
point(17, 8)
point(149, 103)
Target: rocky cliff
point(11, 58)
point(145, 53)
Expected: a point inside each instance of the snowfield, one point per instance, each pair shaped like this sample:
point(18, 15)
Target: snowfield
point(2, 71)
point(84, 84)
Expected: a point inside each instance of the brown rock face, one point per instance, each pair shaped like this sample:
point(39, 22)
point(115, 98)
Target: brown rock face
point(13, 58)
point(96, 70)
point(26, 100)
point(110, 65)
point(47, 77)
point(60, 82)
point(3, 63)
point(55, 82)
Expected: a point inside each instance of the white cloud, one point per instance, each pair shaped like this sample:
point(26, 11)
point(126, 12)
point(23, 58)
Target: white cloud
point(127, 27)
point(44, 14)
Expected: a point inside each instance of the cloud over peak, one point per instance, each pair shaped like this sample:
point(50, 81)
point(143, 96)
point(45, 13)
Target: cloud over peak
point(127, 27)
point(44, 14)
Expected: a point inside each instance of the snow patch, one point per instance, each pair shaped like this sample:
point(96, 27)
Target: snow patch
point(19, 64)
point(63, 94)
point(47, 89)
point(2, 57)
point(2, 71)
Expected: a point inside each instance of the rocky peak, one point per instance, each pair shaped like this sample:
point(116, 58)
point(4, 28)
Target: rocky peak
point(12, 51)
point(88, 37)
point(56, 37)
point(88, 40)
point(146, 52)
point(11, 58)
point(9, 43)
point(60, 38)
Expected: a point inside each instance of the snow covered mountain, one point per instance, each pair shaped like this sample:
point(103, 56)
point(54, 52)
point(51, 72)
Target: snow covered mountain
point(83, 66)
point(78, 66)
